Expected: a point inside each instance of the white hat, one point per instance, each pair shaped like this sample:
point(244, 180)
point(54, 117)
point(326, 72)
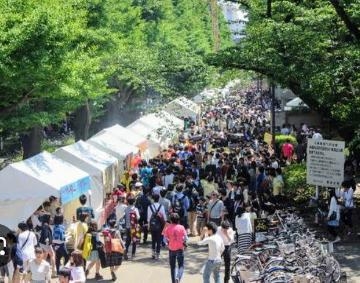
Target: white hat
point(138, 184)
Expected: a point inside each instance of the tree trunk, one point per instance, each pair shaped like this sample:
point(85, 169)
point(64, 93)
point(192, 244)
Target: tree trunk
point(31, 142)
point(81, 122)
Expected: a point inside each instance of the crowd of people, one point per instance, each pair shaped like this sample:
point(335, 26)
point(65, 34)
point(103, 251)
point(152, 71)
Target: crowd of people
point(213, 184)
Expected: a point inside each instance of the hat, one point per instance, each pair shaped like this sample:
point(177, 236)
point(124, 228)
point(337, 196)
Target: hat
point(138, 184)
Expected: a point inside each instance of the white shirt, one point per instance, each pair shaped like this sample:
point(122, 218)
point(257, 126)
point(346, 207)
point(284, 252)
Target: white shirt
point(168, 179)
point(243, 223)
point(27, 246)
point(39, 271)
point(156, 190)
point(226, 240)
point(348, 198)
point(120, 210)
point(334, 207)
point(216, 246)
point(78, 274)
point(155, 207)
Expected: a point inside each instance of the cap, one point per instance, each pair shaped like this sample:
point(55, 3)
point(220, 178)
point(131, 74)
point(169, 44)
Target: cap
point(138, 184)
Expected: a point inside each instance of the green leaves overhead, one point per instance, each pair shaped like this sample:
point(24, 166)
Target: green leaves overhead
point(57, 54)
point(310, 46)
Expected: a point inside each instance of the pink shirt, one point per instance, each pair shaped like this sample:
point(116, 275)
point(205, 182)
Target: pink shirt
point(176, 235)
point(288, 150)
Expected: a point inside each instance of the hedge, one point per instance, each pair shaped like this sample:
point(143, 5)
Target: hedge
point(296, 187)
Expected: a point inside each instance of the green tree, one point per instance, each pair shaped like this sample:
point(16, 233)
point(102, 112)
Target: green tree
point(311, 47)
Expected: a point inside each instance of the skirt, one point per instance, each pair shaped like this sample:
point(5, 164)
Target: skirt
point(244, 242)
point(114, 259)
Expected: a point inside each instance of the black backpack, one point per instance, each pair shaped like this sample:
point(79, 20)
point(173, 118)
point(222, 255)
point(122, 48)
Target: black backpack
point(156, 221)
point(178, 207)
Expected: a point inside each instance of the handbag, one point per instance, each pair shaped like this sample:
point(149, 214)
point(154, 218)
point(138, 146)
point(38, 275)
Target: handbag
point(116, 246)
point(333, 216)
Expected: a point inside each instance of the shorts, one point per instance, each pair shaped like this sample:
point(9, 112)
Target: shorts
point(46, 248)
point(94, 256)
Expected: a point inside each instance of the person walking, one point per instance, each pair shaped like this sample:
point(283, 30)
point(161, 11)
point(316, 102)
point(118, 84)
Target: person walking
point(347, 196)
point(156, 219)
point(94, 259)
point(215, 209)
point(175, 236)
point(244, 229)
point(39, 268)
point(216, 246)
point(333, 216)
point(26, 242)
point(132, 217)
point(227, 234)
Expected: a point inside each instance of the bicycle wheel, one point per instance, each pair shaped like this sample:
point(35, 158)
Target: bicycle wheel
point(333, 269)
point(243, 269)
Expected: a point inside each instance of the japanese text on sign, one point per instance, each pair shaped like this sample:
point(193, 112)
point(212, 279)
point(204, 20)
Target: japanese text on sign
point(325, 162)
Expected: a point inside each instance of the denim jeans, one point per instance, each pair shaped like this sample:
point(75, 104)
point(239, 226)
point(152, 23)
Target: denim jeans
point(212, 266)
point(178, 256)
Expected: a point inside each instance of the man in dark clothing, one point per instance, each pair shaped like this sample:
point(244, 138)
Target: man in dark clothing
point(142, 203)
point(83, 209)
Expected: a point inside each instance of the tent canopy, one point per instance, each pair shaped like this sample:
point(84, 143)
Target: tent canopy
point(295, 103)
point(87, 155)
point(26, 184)
point(97, 163)
point(113, 145)
point(183, 107)
point(125, 135)
point(157, 126)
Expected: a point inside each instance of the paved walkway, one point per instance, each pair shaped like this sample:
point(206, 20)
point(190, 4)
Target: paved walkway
point(143, 269)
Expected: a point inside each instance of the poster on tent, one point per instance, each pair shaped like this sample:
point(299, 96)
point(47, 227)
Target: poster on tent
point(74, 190)
point(325, 163)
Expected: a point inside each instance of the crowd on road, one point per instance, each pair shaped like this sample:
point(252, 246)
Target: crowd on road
point(213, 184)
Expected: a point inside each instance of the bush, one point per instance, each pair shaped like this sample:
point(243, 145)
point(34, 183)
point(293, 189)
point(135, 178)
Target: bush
point(281, 139)
point(296, 187)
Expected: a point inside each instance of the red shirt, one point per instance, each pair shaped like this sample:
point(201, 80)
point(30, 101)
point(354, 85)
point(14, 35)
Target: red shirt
point(176, 235)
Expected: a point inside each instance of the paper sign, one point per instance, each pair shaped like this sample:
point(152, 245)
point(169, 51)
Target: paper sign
point(325, 162)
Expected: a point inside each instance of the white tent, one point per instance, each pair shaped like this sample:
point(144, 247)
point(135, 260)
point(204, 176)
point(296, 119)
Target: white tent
point(149, 148)
point(295, 103)
point(115, 147)
point(183, 107)
point(207, 95)
point(25, 185)
point(160, 126)
point(101, 166)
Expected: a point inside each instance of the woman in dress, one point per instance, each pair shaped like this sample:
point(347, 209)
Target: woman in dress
point(244, 229)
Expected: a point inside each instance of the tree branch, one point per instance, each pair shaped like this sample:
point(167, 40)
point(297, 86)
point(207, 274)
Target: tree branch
point(351, 26)
point(26, 97)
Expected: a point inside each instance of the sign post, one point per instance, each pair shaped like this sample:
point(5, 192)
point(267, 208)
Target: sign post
point(325, 163)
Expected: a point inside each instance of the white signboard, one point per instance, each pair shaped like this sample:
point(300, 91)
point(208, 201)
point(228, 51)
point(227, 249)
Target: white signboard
point(325, 162)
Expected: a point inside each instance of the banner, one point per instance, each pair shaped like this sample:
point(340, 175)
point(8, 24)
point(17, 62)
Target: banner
point(325, 163)
point(74, 190)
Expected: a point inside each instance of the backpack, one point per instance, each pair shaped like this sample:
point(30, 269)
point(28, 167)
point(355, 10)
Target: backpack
point(46, 235)
point(87, 247)
point(156, 220)
point(178, 207)
point(59, 233)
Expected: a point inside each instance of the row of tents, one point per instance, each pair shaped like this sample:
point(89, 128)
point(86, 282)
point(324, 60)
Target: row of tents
point(91, 167)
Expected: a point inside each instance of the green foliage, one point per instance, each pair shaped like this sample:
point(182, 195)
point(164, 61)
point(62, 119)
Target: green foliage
point(281, 139)
point(56, 55)
point(295, 183)
point(354, 144)
point(311, 47)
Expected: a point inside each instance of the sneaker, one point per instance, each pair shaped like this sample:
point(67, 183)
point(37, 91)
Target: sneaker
point(113, 276)
point(98, 277)
point(132, 257)
point(126, 257)
point(157, 256)
point(337, 240)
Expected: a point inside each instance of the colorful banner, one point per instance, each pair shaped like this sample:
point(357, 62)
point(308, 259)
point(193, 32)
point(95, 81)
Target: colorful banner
point(74, 190)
